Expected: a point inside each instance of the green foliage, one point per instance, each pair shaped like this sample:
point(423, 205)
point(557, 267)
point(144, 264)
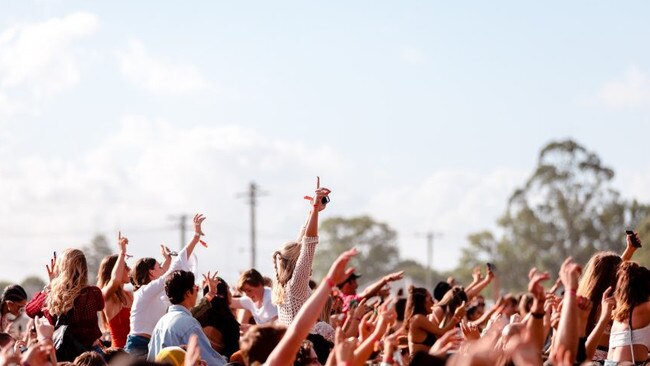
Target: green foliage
point(95, 252)
point(418, 273)
point(376, 242)
point(566, 208)
point(643, 255)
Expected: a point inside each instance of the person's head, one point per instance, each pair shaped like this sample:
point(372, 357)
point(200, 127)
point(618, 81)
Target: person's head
point(145, 271)
point(510, 305)
point(89, 358)
point(284, 262)
point(223, 291)
point(117, 355)
point(418, 302)
point(72, 277)
point(5, 339)
point(13, 301)
point(632, 289)
point(597, 276)
point(306, 355)
point(180, 288)
point(350, 285)
point(251, 283)
point(453, 299)
point(106, 270)
point(259, 341)
point(440, 290)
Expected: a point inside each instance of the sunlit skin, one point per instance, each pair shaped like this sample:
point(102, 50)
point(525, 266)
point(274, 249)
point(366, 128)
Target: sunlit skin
point(255, 293)
point(156, 272)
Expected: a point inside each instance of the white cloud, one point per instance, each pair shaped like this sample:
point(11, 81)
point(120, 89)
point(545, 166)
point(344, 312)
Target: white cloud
point(148, 170)
point(38, 60)
point(630, 91)
point(157, 75)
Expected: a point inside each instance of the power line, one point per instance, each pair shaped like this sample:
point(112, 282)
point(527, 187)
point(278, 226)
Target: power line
point(252, 195)
point(429, 235)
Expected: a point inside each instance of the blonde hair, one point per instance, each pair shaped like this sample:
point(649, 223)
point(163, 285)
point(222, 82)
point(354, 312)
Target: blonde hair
point(284, 262)
point(71, 279)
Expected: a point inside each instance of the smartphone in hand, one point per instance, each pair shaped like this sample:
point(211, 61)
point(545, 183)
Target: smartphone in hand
point(635, 242)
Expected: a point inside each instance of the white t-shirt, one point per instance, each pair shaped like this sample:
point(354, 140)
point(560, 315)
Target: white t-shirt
point(264, 314)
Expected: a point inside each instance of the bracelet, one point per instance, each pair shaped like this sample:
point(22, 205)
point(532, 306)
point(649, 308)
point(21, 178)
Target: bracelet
point(330, 283)
point(538, 315)
point(573, 291)
point(197, 234)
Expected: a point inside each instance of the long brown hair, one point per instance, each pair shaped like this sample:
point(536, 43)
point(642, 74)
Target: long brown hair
point(632, 289)
point(451, 301)
point(104, 277)
point(140, 273)
point(599, 274)
point(415, 305)
point(284, 262)
point(71, 279)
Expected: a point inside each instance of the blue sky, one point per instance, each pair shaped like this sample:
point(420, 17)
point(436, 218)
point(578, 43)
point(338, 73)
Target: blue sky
point(426, 115)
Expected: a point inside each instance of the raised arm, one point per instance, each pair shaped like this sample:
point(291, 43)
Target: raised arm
point(480, 285)
point(535, 323)
point(629, 247)
point(285, 352)
point(568, 332)
point(302, 272)
point(118, 269)
point(198, 233)
point(374, 288)
point(606, 307)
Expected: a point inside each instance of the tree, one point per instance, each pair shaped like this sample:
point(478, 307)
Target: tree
point(376, 241)
point(566, 208)
point(95, 252)
point(418, 273)
point(643, 255)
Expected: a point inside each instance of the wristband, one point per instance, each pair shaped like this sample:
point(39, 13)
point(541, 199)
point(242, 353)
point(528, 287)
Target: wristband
point(197, 234)
point(573, 291)
point(330, 283)
point(538, 315)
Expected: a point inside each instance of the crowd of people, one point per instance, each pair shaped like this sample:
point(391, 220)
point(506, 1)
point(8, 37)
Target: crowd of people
point(155, 313)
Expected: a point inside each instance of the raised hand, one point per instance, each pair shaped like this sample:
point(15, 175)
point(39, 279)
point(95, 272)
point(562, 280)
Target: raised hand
point(212, 281)
point(8, 356)
point(470, 331)
point(632, 239)
point(198, 220)
point(193, 353)
point(608, 303)
point(394, 276)
point(476, 274)
point(534, 285)
point(569, 274)
point(344, 348)
point(451, 340)
point(338, 273)
point(317, 199)
point(51, 271)
point(122, 242)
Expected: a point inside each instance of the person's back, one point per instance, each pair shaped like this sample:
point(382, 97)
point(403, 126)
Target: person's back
point(176, 327)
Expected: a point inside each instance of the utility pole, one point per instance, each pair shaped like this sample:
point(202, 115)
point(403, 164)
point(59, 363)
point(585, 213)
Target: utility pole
point(252, 195)
point(430, 235)
point(182, 220)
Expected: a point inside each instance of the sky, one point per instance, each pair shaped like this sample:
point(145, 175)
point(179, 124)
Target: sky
point(123, 115)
